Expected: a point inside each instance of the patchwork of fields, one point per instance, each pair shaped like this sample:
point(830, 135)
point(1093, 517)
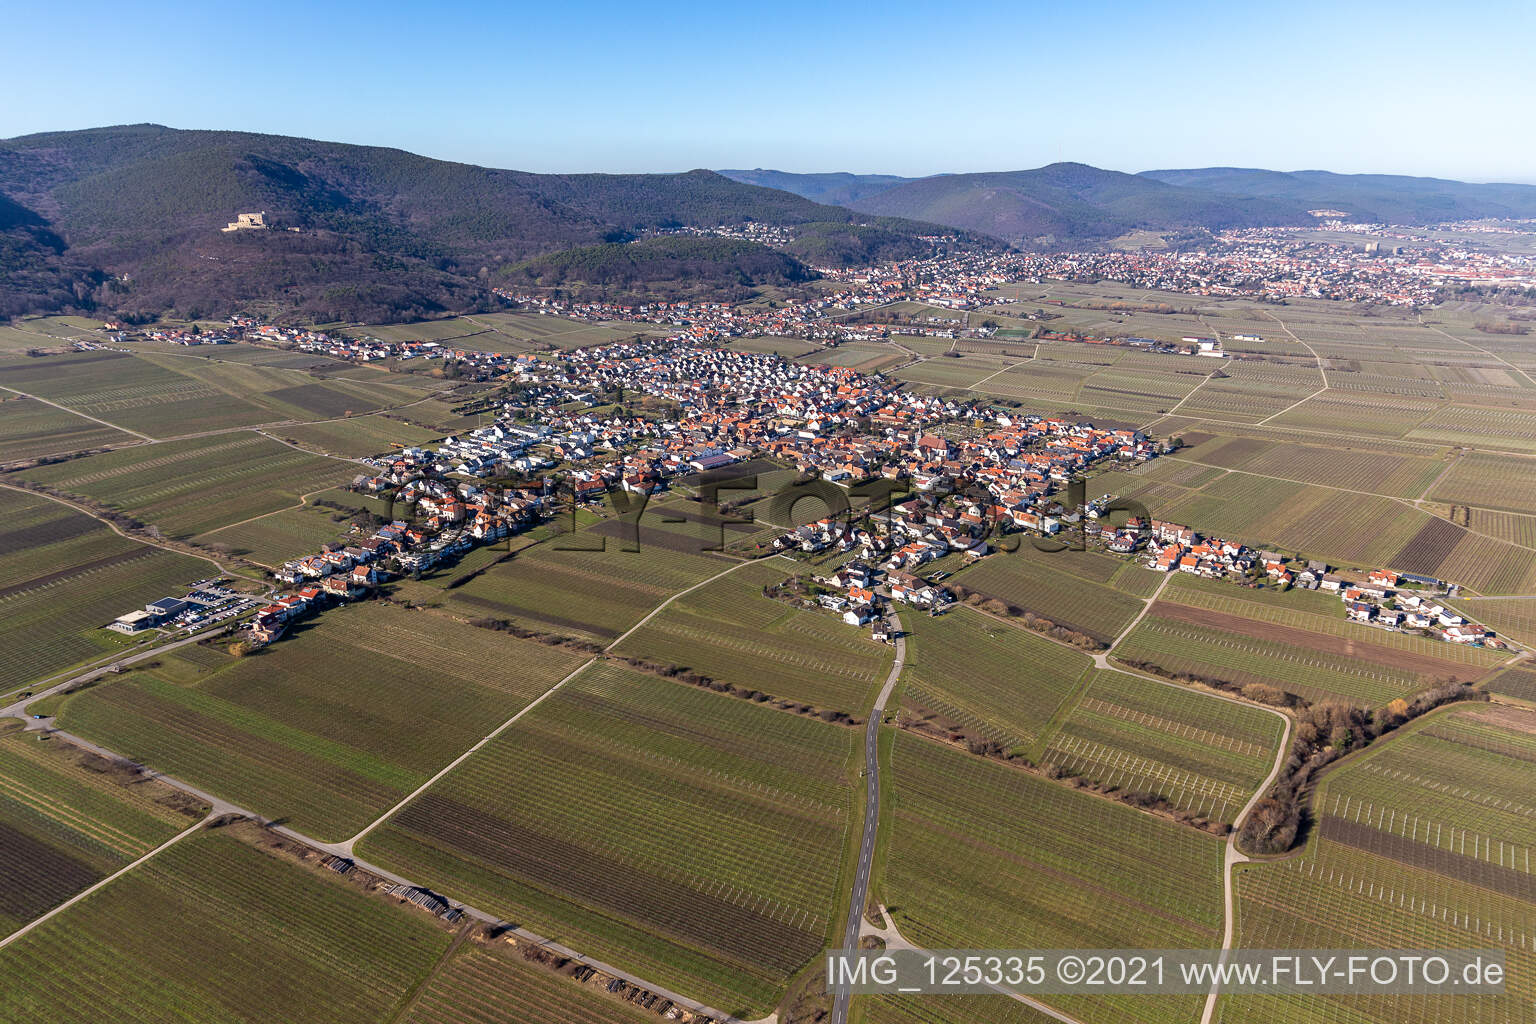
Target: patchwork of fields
point(692, 837)
point(200, 484)
point(331, 727)
point(238, 935)
point(64, 576)
point(1422, 843)
point(66, 822)
point(985, 856)
point(705, 841)
point(729, 631)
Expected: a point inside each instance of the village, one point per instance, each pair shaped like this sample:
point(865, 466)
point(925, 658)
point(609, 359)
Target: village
point(638, 416)
point(1382, 597)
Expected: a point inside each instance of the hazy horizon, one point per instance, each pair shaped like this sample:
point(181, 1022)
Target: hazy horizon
point(773, 168)
point(605, 87)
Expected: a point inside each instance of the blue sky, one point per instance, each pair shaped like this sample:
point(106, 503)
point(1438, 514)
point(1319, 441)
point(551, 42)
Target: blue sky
point(899, 87)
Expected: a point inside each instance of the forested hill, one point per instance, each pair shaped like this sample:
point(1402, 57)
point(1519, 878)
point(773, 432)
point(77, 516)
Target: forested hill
point(1067, 205)
point(380, 233)
point(1389, 198)
point(1070, 204)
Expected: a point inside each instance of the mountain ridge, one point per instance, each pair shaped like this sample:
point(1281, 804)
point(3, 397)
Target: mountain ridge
point(1067, 203)
point(380, 232)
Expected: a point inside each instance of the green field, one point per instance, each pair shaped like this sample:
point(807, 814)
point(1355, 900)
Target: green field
point(64, 576)
point(691, 837)
point(199, 484)
point(993, 679)
point(66, 821)
point(331, 726)
point(986, 856)
point(1200, 753)
point(236, 935)
point(729, 631)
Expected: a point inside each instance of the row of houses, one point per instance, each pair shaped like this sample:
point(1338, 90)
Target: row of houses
point(1383, 597)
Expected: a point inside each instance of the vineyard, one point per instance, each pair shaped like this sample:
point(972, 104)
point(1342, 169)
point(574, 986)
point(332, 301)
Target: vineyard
point(996, 680)
point(29, 429)
point(1515, 527)
point(132, 393)
point(1491, 481)
point(189, 487)
point(985, 856)
point(494, 985)
point(63, 826)
point(63, 576)
point(1470, 426)
point(333, 726)
point(1423, 846)
point(950, 1009)
point(279, 536)
point(1369, 413)
point(730, 632)
point(1463, 783)
point(1394, 475)
point(1489, 566)
point(584, 584)
point(1426, 656)
point(237, 935)
point(1244, 401)
point(1318, 521)
point(1184, 647)
point(1512, 616)
point(691, 837)
point(1031, 582)
point(296, 392)
point(1199, 753)
point(357, 437)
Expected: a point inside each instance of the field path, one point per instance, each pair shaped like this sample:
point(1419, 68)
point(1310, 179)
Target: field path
point(871, 814)
point(344, 849)
point(893, 939)
point(1234, 857)
point(1011, 366)
point(222, 807)
point(1476, 348)
point(76, 412)
point(113, 527)
point(120, 872)
point(658, 609)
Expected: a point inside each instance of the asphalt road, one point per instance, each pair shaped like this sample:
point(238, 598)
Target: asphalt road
point(871, 814)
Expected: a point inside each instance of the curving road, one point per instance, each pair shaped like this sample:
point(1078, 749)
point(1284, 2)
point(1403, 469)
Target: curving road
point(871, 814)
